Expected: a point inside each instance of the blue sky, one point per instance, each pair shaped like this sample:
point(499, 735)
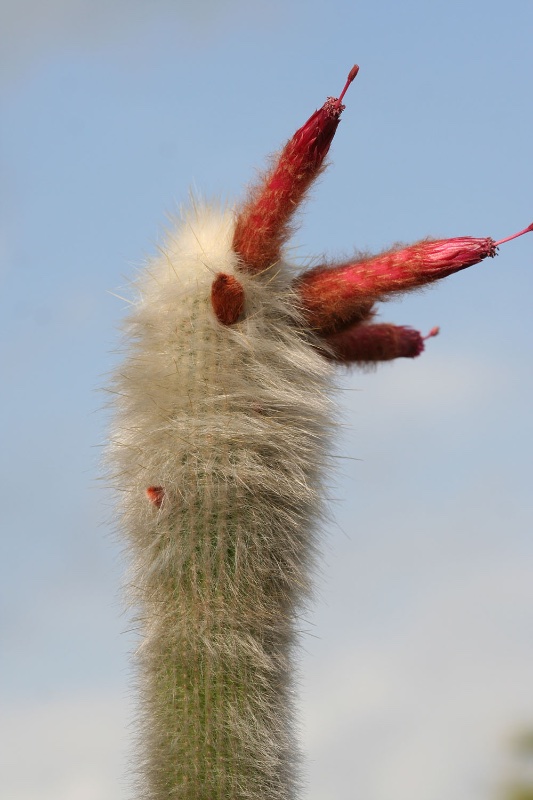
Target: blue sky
point(418, 668)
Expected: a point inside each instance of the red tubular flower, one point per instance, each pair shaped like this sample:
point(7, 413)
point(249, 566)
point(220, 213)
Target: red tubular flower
point(365, 344)
point(263, 223)
point(227, 298)
point(334, 298)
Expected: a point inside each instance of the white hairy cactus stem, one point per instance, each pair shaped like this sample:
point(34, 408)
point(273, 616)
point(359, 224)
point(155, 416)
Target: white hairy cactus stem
point(221, 437)
point(227, 427)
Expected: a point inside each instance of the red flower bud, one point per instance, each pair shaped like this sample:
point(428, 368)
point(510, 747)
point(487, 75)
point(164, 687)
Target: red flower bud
point(370, 343)
point(156, 495)
point(263, 223)
point(227, 298)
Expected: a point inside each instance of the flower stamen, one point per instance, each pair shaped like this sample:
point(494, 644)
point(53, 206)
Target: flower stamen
point(515, 235)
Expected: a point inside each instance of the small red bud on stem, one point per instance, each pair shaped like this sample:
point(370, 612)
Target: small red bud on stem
point(156, 495)
point(367, 344)
point(227, 298)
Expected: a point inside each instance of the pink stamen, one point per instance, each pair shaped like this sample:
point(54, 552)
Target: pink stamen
point(515, 235)
point(351, 76)
point(433, 332)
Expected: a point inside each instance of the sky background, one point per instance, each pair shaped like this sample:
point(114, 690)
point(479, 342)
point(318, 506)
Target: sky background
point(416, 668)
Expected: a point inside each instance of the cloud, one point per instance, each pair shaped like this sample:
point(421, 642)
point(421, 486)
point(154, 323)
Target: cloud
point(428, 711)
point(68, 748)
point(431, 387)
point(30, 30)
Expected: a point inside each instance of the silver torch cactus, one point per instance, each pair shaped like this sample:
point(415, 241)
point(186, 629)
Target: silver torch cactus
point(219, 450)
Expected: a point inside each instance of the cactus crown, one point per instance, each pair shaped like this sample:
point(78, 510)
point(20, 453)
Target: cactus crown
point(337, 301)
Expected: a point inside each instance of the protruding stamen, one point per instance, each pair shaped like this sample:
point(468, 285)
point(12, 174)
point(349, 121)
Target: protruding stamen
point(433, 332)
point(515, 235)
point(351, 76)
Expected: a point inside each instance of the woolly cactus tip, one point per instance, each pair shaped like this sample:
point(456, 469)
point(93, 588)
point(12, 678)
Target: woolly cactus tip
point(515, 235)
point(263, 224)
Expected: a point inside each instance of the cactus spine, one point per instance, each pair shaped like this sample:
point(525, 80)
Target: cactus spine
point(221, 439)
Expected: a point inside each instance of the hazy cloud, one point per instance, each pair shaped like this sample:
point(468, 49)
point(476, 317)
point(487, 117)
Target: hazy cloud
point(68, 748)
point(31, 30)
point(427, 712)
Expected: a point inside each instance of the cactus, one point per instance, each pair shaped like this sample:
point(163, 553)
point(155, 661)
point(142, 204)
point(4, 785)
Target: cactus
point(222, 434)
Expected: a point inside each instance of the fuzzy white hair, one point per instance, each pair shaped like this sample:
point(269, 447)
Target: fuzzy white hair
point(231, 423)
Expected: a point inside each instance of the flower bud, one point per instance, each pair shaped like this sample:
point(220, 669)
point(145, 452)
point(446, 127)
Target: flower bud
point(263, 223)
point(156, 495)
point(227, 298)
point(370, 343)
